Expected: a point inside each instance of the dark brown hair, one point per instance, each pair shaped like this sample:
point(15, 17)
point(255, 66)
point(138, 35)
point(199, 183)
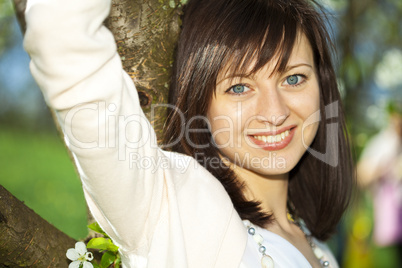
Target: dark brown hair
point(250, 33)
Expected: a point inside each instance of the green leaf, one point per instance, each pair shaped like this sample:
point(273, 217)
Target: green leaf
point(100, 243)
point(107, 259)
point(95, 265)
point(117, 262)
point(95, 227)
point(113, 248)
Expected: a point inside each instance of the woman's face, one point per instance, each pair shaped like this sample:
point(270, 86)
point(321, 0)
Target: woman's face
point(259, 122)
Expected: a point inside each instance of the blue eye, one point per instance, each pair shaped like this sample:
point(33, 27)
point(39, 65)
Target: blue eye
point(295, 80)
point(238, 89)
point(292, 80)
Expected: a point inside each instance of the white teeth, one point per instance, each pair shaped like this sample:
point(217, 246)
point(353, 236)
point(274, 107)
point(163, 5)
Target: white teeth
point(270, 140)
point(278, 137)
point(275, 138)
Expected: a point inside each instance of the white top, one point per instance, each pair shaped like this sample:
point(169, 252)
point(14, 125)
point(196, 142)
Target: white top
point(173, 213)
point(283, 253)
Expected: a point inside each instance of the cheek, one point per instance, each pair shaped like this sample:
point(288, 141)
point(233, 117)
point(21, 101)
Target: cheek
point(310, 115)
point(310, 128)
point(225, 120)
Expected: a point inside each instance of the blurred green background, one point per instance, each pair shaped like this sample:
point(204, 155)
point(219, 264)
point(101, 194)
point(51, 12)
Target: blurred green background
point(35, 166)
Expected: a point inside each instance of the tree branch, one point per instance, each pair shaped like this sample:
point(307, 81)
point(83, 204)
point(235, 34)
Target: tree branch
point(27, 240)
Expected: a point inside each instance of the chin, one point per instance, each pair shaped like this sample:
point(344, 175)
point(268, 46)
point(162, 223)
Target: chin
point(277, 166)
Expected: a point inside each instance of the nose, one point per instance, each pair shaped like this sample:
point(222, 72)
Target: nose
point(272, 108)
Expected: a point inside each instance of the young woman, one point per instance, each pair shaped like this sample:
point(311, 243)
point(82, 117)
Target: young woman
point(254, 89)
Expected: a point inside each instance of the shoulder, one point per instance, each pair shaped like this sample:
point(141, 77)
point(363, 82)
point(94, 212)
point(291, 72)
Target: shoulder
point(327, 253)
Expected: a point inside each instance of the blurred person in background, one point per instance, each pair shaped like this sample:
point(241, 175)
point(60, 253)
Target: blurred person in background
point(380, 172)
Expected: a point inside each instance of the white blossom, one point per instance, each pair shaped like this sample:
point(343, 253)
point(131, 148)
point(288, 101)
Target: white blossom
point(79, 255)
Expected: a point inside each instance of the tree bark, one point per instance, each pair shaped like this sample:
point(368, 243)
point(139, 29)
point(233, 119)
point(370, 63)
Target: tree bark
point(146, 32)
point(27, 240)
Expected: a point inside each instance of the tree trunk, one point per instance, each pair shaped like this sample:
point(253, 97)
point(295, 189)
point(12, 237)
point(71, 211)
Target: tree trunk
point(146, 32)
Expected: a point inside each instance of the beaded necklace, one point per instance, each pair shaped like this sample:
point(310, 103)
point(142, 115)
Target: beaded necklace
point(266, 259)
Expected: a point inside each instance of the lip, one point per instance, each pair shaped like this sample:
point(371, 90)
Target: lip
point(275, 145)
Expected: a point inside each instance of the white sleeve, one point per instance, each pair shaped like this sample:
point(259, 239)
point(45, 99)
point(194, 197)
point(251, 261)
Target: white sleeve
point(75, 63)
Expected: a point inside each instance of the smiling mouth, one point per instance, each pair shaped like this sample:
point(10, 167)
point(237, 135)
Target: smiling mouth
point(273, 142)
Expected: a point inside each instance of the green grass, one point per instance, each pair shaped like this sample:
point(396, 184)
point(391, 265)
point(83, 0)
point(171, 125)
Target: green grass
point(36, 168)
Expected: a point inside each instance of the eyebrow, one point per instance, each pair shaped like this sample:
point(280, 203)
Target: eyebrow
point(288, 68)
point(234, 76)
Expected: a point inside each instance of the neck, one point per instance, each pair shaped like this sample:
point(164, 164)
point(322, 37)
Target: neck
point(271, 191)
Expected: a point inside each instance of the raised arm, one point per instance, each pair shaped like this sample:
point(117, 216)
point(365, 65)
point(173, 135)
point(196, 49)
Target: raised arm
point(75, 63)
